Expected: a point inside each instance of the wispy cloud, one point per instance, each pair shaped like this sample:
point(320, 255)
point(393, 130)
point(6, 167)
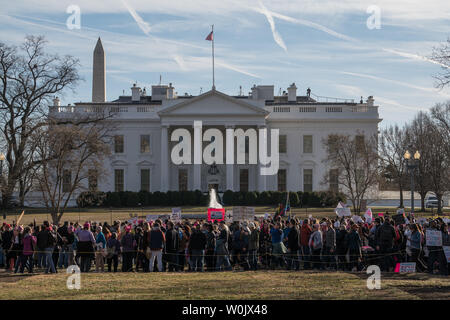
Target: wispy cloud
point(276, 36)
point(415, 57)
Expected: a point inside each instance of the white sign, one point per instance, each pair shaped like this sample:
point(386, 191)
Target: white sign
point(356, 219)
point(433, 238)
point(243, 213)
point(266, 216)
point(151, 217)
point(229, 216)
point(176, 215)
point(406, 267)
point(343, 212)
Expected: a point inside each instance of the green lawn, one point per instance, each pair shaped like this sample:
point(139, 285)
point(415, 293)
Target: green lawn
point(272, 285)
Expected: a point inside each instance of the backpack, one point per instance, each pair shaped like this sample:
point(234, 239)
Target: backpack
point(51, 241)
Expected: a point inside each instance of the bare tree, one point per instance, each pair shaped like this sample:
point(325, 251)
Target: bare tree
point(29, 78)
point(73, 154)
point(357, 165)
point(417, 136)
point(441, 55)
point(391, 149)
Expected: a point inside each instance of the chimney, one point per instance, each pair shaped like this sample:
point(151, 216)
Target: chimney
point(370, 101)
point(170, 92)
point(292, 93)
point(135, 93)
point(99, 74)
point(254, 92)
point(56, 102)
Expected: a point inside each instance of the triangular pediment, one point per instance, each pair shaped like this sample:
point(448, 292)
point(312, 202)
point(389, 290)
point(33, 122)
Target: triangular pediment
point(213, 103)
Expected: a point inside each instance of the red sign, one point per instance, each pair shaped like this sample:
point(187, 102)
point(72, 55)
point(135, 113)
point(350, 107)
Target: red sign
point(216, 214)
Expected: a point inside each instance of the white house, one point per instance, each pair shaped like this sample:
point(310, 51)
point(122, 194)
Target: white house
point(141, 154)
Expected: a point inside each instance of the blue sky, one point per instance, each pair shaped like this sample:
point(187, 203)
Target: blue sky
point(321, 44)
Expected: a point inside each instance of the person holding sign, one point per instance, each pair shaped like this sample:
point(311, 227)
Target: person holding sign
point(434, 245)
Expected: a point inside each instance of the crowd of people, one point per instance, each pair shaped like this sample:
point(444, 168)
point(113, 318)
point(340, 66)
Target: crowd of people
point(196, 246)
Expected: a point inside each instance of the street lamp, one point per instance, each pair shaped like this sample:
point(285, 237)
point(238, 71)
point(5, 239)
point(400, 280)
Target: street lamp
point(412, 164)
point(2, 158)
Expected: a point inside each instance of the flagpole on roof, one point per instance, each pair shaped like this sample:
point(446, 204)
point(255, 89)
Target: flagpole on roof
point(212, 30)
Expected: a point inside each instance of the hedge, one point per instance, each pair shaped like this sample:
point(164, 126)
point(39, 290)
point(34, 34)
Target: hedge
point(198, 198)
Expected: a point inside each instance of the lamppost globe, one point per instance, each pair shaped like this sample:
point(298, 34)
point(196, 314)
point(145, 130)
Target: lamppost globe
point(2, 157)
point(407, 155)
point(417, 155)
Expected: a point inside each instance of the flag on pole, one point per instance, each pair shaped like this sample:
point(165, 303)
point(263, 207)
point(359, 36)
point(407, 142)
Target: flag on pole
point(210, 36)
point(287, 207)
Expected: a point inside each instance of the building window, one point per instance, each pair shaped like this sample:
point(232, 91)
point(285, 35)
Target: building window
point(67, 181)
point(282, 147)
point(118, 180)
point(334, 180)
point(243, 180)
point(182, 180)
point(92, 180)
point(145, 143)
point(118, 144)
point(145, 179)
point(360, 145)
point(307, 180)
point(308, 144)
point(282, 180)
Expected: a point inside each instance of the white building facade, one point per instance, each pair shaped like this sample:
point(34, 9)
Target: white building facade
point(142, 146)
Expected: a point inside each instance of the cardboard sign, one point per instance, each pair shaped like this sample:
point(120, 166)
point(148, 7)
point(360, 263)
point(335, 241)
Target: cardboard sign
point(176, 215)
point(433, 238)
point(216, 214)
point(229, 216)
point(243, 213)
point(447, 252)
point(405, 267)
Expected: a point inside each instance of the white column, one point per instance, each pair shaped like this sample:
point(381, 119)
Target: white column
point(262, 181)
point(198, 159)
point(164, 159)
point(230, 157)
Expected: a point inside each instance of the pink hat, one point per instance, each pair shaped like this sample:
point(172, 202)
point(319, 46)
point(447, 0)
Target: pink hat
point(128, 228)
point(87, 225)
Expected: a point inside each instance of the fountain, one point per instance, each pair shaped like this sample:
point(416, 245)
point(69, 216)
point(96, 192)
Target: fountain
point(215, 211)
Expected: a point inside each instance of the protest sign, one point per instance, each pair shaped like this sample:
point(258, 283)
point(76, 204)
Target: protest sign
point(229, 216)
point(405, 267)
point(342, 210)
point(249, 213)
point(243, 213)
point(216, 214)
point(447, 253)
point(356, 219)
point(151, 217)
point(266, 216)
point(433, 238)
point(176, 215)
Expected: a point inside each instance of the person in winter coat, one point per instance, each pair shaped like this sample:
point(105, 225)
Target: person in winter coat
point(305, 233)
point(222, 253)
point(341, 246)
point(253, 245)
point(85, 246)
point(157, 242)
point(316, 244)
point(113, 251)
point(278, 248)
point(26, 258)
point(386, 235)
point(354, 247)
point(128, 244)
point(172, 243)
point(100, 243)
point(197, 246)
point(211, 236)
point(293, 242)
point(7, 238)
point(329, 248)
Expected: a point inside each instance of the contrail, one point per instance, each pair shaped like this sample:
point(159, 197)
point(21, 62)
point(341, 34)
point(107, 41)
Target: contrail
point(415, 57)
point(401, 83)
point(276, 35)
point(145, 27)
point(234, 68)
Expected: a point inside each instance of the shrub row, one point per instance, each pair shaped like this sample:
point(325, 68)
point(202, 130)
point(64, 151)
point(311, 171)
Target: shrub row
point(198, 198)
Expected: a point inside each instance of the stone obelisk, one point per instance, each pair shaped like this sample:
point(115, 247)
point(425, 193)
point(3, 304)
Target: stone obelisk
point(99, 74)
